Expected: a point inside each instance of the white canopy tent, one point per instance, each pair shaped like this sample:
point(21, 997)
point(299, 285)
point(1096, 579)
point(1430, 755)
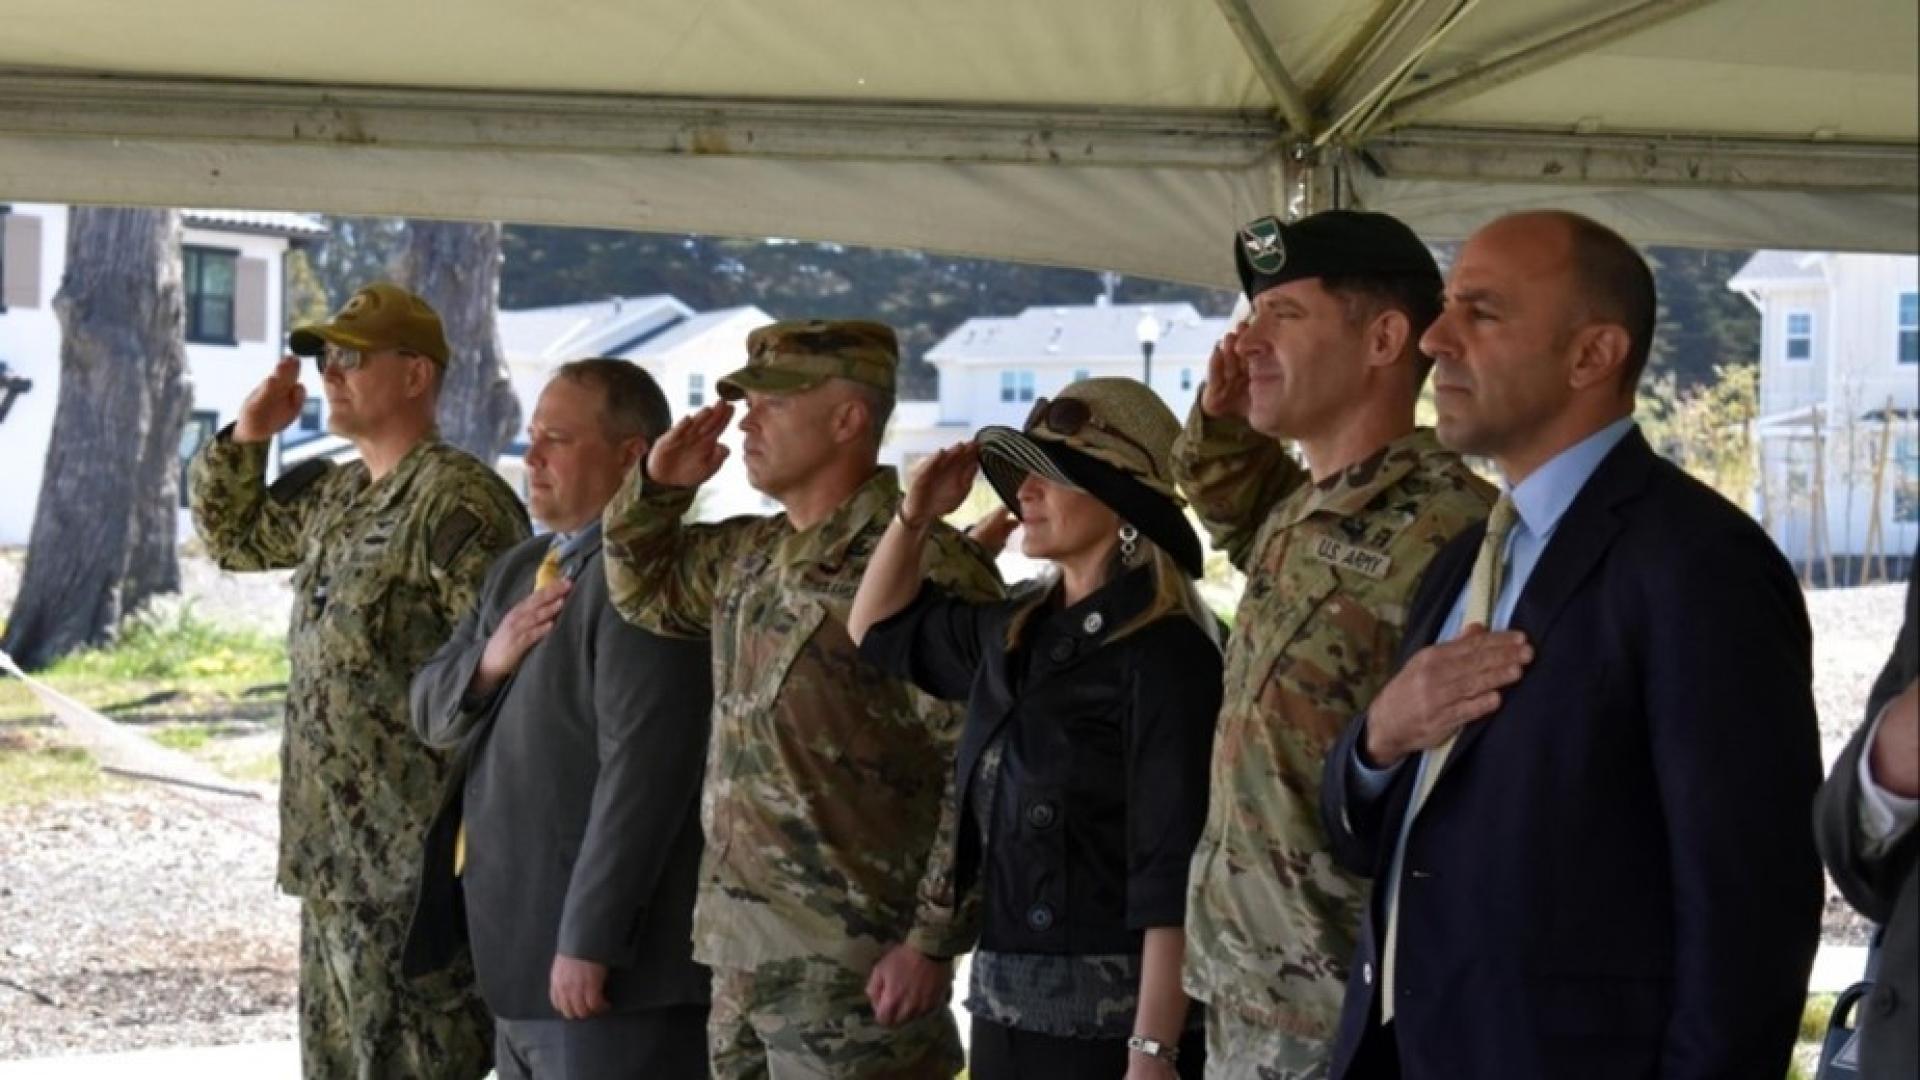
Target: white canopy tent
point(1124, 134)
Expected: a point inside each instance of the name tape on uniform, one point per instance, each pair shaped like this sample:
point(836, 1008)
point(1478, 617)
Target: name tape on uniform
point(1351, 557)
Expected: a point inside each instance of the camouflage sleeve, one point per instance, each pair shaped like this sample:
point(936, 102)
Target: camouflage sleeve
point(663, 574)
point(1234, 477)
point(946, 923)
point(466, 535)
point(244, 524)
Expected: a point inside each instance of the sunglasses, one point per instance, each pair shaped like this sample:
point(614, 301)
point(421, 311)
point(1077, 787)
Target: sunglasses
point(1068, 417)
point(341, 359)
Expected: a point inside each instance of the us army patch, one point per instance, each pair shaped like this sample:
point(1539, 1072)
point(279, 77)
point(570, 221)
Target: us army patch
point(451, 537)
point(1350, 557)
point(297, 479)
point(1266, 250)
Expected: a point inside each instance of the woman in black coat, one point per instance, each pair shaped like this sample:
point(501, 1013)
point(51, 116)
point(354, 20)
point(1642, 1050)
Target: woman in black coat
point(1082, 771)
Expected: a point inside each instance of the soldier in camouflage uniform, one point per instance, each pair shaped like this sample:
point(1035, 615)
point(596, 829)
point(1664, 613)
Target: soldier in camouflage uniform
point(824, 909)
point(1332, 550)
point(388, 554)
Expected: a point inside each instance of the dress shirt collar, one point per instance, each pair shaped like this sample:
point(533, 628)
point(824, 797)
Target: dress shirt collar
point(1543, 497)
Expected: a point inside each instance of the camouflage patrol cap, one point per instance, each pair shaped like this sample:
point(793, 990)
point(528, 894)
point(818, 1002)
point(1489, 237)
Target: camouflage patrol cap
point(1270, 252)
point(788, 357)
point(380, 316)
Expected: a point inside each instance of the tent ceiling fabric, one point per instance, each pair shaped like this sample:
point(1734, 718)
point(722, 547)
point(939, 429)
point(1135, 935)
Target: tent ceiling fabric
point(1130, 136)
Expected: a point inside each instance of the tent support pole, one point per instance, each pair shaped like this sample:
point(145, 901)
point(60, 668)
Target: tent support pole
point(1388, 58)
point(1530, 57)
point(1266, 60)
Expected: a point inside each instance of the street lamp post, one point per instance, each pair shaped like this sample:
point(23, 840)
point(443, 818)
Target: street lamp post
point(1148, 331)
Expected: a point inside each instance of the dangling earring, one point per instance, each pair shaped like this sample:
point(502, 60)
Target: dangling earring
point(1129, 544)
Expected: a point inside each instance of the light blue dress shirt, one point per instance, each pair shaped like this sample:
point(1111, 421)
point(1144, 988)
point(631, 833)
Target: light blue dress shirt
point(571, 544)
point(1540, 502)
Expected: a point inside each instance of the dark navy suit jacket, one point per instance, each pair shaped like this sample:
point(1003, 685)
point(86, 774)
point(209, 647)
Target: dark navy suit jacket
point(1615, 875)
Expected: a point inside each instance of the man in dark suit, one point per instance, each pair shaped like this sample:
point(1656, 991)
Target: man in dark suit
point(1864, 820)
point(568, 844)
point(1583, 796)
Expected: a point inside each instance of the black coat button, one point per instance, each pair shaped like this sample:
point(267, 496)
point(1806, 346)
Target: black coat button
point(1062, 651)
point(1040, 918)
point(1041, 815)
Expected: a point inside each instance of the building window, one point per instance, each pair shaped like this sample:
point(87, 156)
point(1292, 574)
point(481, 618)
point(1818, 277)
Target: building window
point(1909, 351)
point(1080, 374)
point(1186, 378)
point(209, 278)
point(1016, 386)
point(193, 435)
point(696, 391)
point(310, 415)
point(1906, 481)
point(1799, 335)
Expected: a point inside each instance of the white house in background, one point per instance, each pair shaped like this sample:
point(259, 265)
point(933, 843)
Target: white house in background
point(685, 351)
point(1839, 377)
point(993, 368)
point(232, 272)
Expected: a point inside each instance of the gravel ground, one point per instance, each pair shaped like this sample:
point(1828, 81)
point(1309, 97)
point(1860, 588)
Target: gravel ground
point(148, 918)
point(139, 919)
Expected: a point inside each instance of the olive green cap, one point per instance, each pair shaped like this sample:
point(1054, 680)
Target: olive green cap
point(381, 316)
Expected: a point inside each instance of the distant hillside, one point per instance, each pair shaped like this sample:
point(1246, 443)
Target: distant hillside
point(924, 296)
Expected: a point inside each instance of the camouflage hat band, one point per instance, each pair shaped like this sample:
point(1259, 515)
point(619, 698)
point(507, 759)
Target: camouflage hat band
point(764, 380)
point(789, 373)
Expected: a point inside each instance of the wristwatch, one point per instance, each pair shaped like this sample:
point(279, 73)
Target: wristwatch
point(1154, 1048)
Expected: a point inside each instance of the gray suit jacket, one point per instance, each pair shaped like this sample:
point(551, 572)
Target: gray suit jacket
point(579, 784)
point(1885, 887)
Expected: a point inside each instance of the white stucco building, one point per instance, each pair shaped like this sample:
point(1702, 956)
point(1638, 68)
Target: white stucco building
point(232, 273)
point(1839, 378)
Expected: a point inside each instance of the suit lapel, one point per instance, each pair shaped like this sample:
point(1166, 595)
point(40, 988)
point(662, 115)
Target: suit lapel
point(1579, 542)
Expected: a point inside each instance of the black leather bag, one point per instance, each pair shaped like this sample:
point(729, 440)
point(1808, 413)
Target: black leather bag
point(1840, 1050)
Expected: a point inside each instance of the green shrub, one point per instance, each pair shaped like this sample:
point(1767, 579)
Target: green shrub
point(174, 643)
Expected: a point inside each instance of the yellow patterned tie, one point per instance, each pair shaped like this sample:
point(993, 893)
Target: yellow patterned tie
point(547, 574)
point(549, 571)
point(1483, 593)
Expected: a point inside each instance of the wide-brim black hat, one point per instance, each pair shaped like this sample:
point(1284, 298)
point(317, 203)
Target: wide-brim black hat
point(1007, 456)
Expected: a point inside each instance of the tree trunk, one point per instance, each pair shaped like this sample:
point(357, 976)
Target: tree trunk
point(455, 266)
point(103, 531)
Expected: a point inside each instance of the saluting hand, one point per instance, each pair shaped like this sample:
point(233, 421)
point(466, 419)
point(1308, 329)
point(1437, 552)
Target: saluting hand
point(1442, 689)
point(1224, 394)
point(691, 452)
point(992, 530)
point(524, 626)
point(274, 404)
point(941, 484)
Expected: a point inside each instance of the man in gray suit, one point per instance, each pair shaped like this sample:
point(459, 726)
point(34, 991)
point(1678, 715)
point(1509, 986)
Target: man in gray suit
point(1864, 822)
point(568, 843)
